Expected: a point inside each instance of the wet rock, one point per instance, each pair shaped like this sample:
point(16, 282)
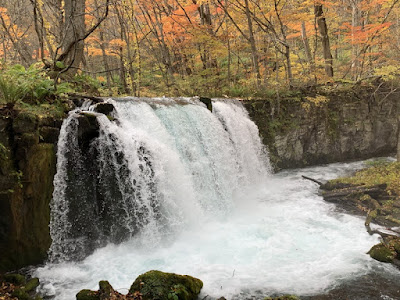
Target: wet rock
point(24, 205)
point(348, 126)
point(18, 287)
point(49, 134)
point(25, 123)
point(20, 294)
point(17, 279)
point(382, 253)
point(106, 292)
point(164, 286)
point(88, 129)
point(32, 284)
point(87, 295)
point(104, 108)
point(207, 102)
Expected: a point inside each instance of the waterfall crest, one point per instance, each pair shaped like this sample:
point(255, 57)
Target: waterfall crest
point(151, 168)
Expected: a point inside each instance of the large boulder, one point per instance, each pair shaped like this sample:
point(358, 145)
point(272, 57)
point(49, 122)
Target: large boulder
point(165, 286)
point(382, 253)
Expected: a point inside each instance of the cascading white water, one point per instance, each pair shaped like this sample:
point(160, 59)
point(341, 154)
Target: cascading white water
point(158, 168)
point(177, 188)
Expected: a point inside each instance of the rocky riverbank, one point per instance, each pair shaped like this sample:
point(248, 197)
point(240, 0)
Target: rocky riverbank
point(375, 193)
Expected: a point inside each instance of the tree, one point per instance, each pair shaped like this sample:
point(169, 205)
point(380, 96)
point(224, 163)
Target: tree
point(398, 139)
point(64, 40)
point(326, 48)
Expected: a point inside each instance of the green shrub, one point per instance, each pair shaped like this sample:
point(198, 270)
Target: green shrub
point(29, 85)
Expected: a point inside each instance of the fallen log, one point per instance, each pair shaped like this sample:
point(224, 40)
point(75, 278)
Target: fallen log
point(313, 180)
point(342, 194)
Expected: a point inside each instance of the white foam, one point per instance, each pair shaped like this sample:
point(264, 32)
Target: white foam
point(281, 238)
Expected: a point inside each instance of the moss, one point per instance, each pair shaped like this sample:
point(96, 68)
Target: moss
point(382, 173)
point(382, 253)
point(106, 290)
point(25, 122)
point(87, 295)
point(21, 294)
point(25, 233)
point(17, 279)
point(395, 244)
point(164, 286)
point(54, 110)
point(31, 284)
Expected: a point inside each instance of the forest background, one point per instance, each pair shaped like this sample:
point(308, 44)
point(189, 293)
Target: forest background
point(247, 48)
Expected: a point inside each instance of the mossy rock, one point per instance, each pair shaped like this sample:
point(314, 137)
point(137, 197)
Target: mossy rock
point(25, 122)
point(394, 243)
point(334, 185)
point(49, 134)
point(164, 286)
point(21, 294)
point(16, 279)
point(31, 285)
point(87, 295)
point(88, 129)
point(382, 253)
point(106, 290)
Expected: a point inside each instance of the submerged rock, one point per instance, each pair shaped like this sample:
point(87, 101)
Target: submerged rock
point(164, 286)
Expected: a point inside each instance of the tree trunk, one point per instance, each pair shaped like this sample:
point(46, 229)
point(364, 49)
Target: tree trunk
point(323, 30)
point(398, 139)
point(307, 49)
point(289, 65)
point(74, 29)
point(355, 23)
point(252, 40)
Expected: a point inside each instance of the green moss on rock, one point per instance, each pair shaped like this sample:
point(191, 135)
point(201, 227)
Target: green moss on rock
point(165, 286)
point(25, 122)
point(21, 294)
point(382, 253)
point(17, 279)
point(31, 285)
point(87, 295)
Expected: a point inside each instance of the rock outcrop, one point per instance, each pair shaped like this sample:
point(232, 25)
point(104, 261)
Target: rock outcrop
point(348, 123)
point(27, 168)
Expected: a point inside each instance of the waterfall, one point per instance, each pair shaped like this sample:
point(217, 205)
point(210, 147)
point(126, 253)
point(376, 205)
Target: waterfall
point(152, 168)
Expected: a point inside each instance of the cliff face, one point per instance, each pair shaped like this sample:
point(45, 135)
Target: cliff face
point(349, 124)
point(27, 168)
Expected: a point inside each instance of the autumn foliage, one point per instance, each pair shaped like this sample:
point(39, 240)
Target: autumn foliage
point(215, 47)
